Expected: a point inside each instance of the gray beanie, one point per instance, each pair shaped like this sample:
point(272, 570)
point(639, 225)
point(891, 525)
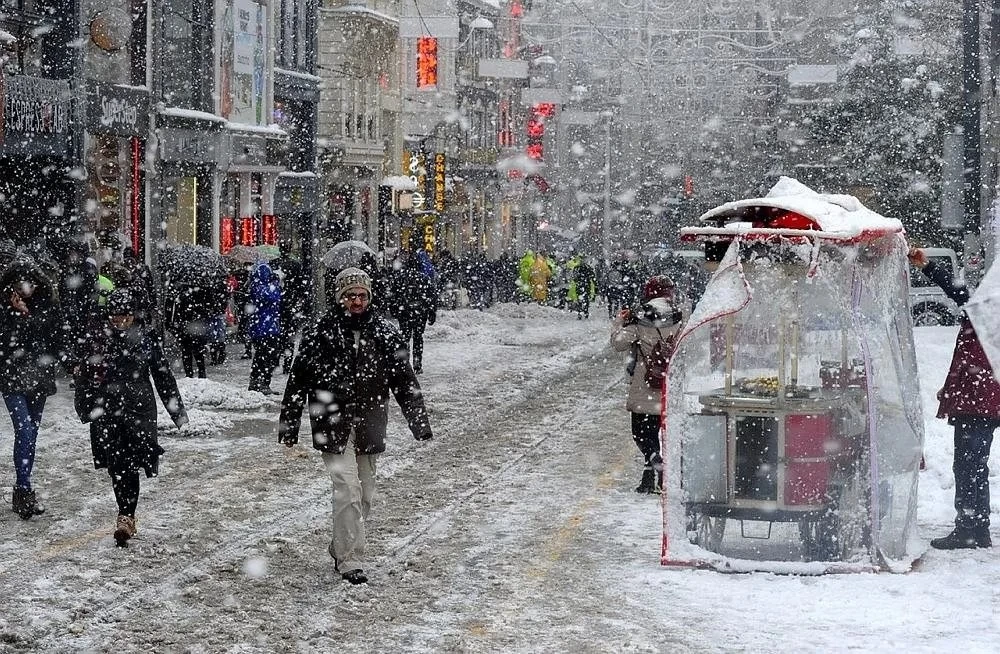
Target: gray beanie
point(352, 278)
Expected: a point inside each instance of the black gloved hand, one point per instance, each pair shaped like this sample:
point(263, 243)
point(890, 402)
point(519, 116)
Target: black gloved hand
point(431, 319)
point(424, 436)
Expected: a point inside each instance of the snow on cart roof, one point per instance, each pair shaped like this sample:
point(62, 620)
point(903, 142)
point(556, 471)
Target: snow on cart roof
point(837, 217)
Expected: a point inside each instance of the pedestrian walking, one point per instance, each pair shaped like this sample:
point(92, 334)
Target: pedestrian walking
point(414, 304)
point(347, 366)
point(970, 401)
point(192, 311)
point(265, 327)
point(538, 278)
point(31, 343)
point(648, 335)
point(115, 395)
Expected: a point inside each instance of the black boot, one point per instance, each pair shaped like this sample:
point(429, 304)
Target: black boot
point(648, 483)
point(355, 577)
point(962, 538)
point(25, 504)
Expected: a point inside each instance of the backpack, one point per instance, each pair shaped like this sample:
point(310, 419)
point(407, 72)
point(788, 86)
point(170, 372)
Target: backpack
point(657, 361)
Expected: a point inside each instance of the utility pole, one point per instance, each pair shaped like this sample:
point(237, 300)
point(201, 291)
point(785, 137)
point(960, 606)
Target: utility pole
point(606, 223)
point(971, 137)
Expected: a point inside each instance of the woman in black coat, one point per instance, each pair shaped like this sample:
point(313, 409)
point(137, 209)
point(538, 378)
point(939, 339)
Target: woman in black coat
point(116, 396)
point(31, 343)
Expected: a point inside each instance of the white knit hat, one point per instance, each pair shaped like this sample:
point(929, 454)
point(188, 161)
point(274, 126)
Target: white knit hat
point(352, 278)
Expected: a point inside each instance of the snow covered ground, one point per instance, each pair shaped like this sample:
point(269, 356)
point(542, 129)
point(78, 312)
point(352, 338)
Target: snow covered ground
point(515, 530)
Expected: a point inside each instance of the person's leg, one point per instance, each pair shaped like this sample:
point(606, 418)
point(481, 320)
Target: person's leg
point(199, 345)
point(269, 361)
point(187, 355)
point(972, 491)
point(348, 544)
point(25, 414)
point(646, 434)
point(126, 488)
point(256, 366)
point(418, 346)
point(25, 436)
point(407, 329)
point(972, 475)
point(367, 465)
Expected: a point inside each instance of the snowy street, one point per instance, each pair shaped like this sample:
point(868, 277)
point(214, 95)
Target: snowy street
point(515, 530)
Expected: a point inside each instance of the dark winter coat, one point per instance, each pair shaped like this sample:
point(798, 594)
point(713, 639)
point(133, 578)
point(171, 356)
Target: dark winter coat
point(77, 295)
point(265, 296)
point(30, 345)
point(115, 394)
point(414, 300)
point(970, 389)
point(344, 372)
point(193, 310)
point(294, 293)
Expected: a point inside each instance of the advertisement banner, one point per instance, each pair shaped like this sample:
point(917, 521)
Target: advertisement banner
point(243, 62)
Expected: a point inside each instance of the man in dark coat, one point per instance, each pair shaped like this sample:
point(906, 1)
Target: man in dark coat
point(294, 304)
point(194, 308)
point(31, 343)
point(970, 400)
point(347, 365)
point(414, 303)
point(115, 395)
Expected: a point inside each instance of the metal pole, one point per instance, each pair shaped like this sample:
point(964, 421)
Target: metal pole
point(606, 223)
point(972, 145)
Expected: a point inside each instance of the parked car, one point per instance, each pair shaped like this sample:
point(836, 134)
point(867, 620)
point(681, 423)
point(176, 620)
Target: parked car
point(929, 306)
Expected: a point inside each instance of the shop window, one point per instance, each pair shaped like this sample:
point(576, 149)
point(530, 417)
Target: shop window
point(186, 35)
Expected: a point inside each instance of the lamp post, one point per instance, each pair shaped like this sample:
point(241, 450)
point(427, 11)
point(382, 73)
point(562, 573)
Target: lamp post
point(971, 137)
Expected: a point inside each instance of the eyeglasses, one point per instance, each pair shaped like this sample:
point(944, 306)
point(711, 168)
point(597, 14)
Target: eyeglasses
point(353, 297)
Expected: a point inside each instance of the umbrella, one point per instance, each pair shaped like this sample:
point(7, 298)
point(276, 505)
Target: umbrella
point(192, 265)
point(243, 254)
point(346, 254)
point(267, 252)
point(983, 309)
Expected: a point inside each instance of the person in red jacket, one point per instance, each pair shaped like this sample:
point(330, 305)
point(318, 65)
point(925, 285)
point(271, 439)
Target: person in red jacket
point(970, 400)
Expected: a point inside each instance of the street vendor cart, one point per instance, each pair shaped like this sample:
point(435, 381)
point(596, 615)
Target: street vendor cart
point(792, 425)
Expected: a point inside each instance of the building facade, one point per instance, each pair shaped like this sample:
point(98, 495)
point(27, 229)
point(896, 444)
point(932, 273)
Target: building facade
point(39, 146)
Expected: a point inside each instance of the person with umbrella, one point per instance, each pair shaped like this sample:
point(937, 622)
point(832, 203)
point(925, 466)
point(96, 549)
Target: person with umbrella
point(414, 304)
point(970, 400)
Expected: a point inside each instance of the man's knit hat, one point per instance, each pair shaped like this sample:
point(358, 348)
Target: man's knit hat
point(352, 279)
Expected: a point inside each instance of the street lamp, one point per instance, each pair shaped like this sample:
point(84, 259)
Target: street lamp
point(971, 137)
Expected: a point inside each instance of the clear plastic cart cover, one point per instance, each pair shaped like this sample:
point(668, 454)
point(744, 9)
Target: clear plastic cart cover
point(793, 431)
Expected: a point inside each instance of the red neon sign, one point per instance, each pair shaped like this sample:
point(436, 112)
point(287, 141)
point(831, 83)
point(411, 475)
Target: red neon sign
point(136, 217)
point(227, 234)
point(248, 231)
point(270, 229)
point(427, 62)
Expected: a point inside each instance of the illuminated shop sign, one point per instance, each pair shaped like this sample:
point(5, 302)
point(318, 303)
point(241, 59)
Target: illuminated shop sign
point(427, 62)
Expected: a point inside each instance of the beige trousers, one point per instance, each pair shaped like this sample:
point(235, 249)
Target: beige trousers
point(353, 477)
